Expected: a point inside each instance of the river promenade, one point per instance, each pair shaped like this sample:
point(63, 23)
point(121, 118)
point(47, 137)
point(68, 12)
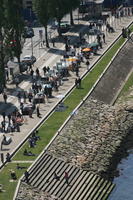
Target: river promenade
point(50, 59)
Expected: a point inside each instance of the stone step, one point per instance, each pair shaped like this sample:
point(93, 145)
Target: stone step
point(57, 170)
point(100, 190)
point(73, 178)
point(61, 187)
point(45, 173)
point(80, 187)
point(105, 191)
point(91, 189)
point(96, 189)
point(108, 191)
point(75, 185)
point(37, 165)
point(59, 183)
point(40, 168)
point(86, 186)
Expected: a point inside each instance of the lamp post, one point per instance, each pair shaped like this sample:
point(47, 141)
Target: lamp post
point(31, 46)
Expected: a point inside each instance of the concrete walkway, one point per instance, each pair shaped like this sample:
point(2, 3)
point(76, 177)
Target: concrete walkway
point(49, 59)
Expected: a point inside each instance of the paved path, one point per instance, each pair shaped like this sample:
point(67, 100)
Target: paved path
point(50, 58)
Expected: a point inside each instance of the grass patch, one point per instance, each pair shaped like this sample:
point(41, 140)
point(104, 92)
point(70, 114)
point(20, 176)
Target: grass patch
point(51, 126)
point(9, 187)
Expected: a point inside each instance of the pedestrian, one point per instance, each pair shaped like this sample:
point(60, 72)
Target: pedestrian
point(44, 70)
point(2, 157)
point(30, 66)
point(100, 44)
point(66, 177)
point(3, 141)
point(8, 157)
point(30, 112)
point(38, 112)
point(87, 64)
point(16, 81)
point(79, 82)
point(5, 97)
point(104, 37)
point(26, 174)
point(76, 82)
point(24, 96)
point(43, 42)
point(4, 116)
point(13, 174)
point(56, 177)
point(48, 68)
point(37, 72)
point(32, 73)
point(9, 118)
point(77, 70)
point(53, 42)
point(19, 96)
point(128, 33)
point(30, 97)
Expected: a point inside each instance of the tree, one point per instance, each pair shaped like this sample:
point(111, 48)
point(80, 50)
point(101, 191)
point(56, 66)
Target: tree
point(15, 26)
point(2, 55)
point(42, 10)
point(73, 4)
point(58, 9)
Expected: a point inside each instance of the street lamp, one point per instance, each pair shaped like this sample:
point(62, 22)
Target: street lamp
point(31, 46)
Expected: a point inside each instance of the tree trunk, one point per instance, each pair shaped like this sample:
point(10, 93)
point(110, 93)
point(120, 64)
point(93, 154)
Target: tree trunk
point(46, 36)
point(59, 28)
point(18, 58)
point(71, 18)
point(2, 66)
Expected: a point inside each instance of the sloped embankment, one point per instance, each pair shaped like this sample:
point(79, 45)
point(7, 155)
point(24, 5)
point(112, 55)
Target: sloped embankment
point(92, 139)
point(116, 75)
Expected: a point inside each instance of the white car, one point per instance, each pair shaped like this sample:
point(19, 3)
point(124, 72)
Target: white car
point(29, 59)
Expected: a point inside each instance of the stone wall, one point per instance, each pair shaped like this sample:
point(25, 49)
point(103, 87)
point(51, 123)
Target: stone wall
point(93, 136)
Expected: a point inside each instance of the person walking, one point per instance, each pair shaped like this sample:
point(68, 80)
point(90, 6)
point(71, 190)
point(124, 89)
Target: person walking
point(66, 178)
point(79, 82)
point(53, 42)
point(32, 74)
point(2, 157)
point(87, 64)
point(19, 96)
point(104, 37)
point(38, 112)
point(24, 96)
point(26, 174)
point(56, 177)
point(37, 72)
point(9, 118)
point(5, 97)
point(8, 157)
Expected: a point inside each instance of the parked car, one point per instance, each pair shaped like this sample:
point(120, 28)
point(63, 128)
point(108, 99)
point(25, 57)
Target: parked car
point(28, 32)
point(94, 31)
point(23, 67)
point(29, 60)
point(64, 27)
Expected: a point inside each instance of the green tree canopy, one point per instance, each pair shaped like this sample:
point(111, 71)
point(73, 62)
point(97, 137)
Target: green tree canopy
point(42, 9)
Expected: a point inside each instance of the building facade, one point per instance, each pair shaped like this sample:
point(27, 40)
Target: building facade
point(27, 4)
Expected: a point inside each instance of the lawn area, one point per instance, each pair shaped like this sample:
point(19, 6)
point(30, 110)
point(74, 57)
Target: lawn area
point(5, 180)
point(51, 126)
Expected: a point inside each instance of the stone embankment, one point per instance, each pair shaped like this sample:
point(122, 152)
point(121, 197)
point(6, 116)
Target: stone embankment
point(27, 192)
point(93, 139)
